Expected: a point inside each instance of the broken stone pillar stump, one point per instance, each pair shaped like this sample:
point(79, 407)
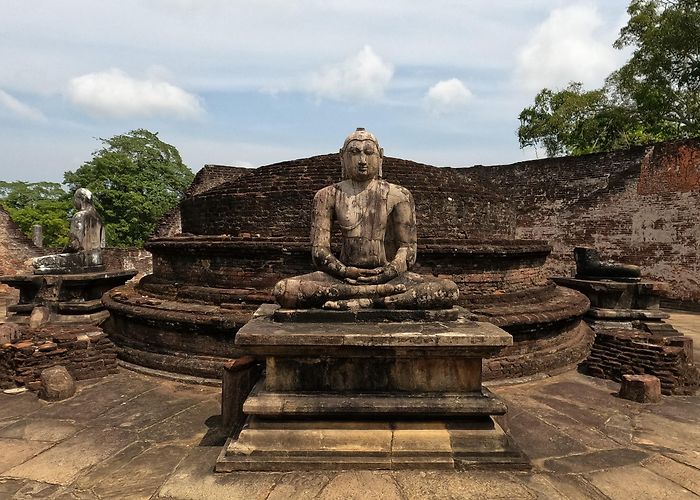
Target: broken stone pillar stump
point(56, 384)
point(239, 377)
point(369, 389)
point(641, 388)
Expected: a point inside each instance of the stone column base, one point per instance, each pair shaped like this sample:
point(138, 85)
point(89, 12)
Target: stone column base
point(286, 445)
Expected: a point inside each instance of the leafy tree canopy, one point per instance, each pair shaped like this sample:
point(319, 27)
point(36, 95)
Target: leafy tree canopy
point(135, 178)
point(45, 203)
point(655, 96)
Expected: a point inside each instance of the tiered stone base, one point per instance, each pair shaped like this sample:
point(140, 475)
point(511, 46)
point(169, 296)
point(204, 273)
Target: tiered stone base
point(70, 298)
point(370, 394)
point(283, 445)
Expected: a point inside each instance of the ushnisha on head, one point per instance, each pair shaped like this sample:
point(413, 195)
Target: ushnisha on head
point(361, 156)
point(82, 198)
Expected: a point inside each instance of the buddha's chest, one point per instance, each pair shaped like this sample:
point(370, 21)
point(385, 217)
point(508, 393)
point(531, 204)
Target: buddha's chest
point(364, 214)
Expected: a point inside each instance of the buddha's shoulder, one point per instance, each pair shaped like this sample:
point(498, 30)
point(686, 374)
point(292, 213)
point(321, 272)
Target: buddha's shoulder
point(327, 192)
point(397, 193)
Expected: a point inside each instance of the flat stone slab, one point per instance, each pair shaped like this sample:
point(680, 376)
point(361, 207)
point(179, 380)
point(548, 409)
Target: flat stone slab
point(275, 404)
point(598, 285)
point(264, 336)
point(77, 277)
point(365, 315)
point(626, 314)
point(284, 445)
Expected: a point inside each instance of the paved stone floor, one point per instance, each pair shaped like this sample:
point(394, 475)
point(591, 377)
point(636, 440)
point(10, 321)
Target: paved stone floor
point(132, 436)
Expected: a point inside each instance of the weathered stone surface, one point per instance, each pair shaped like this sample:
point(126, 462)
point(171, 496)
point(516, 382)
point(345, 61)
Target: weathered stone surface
point(377, 221)
point(75, 454)
point(641, 388)
point(40, 429)
point(595, 461)
point(616, 483)
point(15, 451)
point(86, 241)
point(40, 316)
point(270, 404)
point(56, 384)
point(239, 378)
point(633, 201)
point(9, 332)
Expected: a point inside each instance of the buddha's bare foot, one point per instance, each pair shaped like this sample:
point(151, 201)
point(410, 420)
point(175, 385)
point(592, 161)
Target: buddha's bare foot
point(348, 305)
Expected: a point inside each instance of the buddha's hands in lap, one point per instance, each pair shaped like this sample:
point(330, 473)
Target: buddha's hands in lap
point(358, 275)
point(378, 275)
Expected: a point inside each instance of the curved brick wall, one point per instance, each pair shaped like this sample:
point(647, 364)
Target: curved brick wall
point(242, 236)
point(275, 201)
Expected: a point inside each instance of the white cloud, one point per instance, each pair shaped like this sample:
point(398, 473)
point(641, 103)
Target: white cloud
point(570, 45)
point(447, 96)
point(363, 76)
point(114, 93)
point(19, 109)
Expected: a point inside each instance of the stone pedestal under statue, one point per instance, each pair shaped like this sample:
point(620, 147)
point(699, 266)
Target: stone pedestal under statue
point(370, 389)
point(619, 296)
point(68, 298)
point(68, 287)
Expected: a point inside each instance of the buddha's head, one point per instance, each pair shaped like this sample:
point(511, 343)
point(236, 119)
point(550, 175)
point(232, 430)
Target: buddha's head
point(361, 157)
point(82, 198)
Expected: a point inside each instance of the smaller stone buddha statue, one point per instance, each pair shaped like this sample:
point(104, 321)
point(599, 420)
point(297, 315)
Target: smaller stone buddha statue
point(86, 241)
point(377, 224)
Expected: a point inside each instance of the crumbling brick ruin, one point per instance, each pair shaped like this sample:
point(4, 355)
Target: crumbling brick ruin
point(639, 206)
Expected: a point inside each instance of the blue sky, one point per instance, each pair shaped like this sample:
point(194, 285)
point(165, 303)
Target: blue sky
point(251, 82)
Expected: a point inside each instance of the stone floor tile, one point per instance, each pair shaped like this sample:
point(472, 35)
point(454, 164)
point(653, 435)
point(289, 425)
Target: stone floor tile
point(75, 494)
point(688, 477)
point(458, 485)
point(40, 429)
point(143, 476)
point(540, 440)
point(92, 401)
point(542, 487)
point(19, 405)
point(107, 467)
point(659, 433)
point(634, 482)
point(9, 486)
point(64, 462)
point(575, 487)
point(17, 451)
point(146, 409)
point(300, 485)
point(195, 479)
point(361, 485)
point(590, 436)
point(596, 460)
point(188, 426)
point(4, 422)
point(36, 489)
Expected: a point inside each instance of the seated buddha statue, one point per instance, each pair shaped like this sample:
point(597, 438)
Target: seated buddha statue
point(377, 223)
point(86, 241)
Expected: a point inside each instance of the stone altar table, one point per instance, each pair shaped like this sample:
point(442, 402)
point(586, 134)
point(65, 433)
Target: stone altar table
point(370, 389)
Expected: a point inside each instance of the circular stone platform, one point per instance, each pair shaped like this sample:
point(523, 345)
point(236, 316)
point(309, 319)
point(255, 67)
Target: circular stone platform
point(241, 237)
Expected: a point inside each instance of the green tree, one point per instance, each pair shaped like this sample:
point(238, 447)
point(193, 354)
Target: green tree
point(45, 203)
point(655, 96)
point(135, 178)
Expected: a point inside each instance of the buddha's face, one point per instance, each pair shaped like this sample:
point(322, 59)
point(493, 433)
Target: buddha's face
point(361, 160)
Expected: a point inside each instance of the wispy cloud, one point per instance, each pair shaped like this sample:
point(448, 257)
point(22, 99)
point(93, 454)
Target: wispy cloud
point(447, 96)
point(18, 109)
point(568, 46)
point(114, 93)
point(363, 76)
